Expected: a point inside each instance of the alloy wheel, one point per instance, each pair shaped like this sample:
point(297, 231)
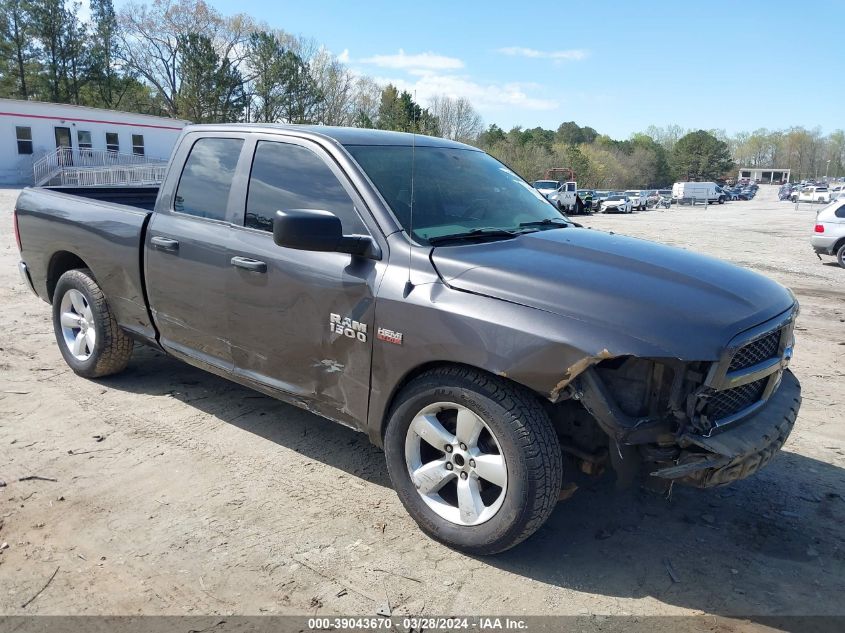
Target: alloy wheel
point(77, 322)
point(456, 463)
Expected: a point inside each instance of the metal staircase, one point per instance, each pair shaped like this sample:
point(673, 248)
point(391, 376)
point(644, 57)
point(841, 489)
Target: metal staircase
point(96, 167)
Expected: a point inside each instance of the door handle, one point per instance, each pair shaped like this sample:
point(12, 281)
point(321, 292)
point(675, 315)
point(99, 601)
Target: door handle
point(165, 244)
point(249, 264)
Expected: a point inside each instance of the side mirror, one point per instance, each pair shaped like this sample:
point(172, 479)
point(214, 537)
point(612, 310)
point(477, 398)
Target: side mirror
point(313, 230)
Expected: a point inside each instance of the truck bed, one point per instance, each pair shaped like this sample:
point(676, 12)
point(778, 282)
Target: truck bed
point(103, 227)
point(140, 197)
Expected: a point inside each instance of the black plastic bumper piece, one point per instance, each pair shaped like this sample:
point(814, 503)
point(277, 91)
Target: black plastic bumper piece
point(741, 450)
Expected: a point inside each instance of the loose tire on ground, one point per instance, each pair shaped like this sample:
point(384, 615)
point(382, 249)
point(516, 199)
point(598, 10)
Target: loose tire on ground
point(105, 352)
point(522, 434)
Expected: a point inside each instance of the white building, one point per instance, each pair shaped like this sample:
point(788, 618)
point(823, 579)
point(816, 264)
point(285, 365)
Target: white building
point(30, 130)
point(766, 175)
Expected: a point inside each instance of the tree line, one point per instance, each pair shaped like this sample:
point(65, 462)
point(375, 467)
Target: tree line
point(183, 59)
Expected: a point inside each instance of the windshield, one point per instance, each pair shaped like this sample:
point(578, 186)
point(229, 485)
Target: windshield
point(455, 190)
point(616, 197)
point(546, 184)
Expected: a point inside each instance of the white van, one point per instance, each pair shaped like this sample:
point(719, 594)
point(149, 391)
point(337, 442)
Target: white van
point(692, 192)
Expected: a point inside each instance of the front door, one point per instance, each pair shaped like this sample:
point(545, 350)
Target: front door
point(301, 322)
point(186, 253)
point(63, 142)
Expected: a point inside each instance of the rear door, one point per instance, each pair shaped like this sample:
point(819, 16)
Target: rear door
point(187, 250)
point(301, 322)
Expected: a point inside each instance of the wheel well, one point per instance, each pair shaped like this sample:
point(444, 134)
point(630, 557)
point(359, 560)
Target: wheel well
point(60, 263)
point(421, 369)
point(838, 245)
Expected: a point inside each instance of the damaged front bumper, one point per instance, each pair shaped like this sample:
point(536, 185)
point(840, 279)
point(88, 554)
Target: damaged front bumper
point(739, 450)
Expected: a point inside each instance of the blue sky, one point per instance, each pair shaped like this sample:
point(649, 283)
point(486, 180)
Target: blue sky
point(616, 66)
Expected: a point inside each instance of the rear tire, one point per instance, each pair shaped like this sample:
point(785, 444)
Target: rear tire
point(840, 256)
point(89, 338)
point(517, 435)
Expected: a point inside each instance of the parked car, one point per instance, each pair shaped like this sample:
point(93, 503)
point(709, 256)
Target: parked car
point(819, 194)
point(546, 187)
point(829, 232)
point(638, 198)
point(617, 203)
point(484, 342)
point(730, 194)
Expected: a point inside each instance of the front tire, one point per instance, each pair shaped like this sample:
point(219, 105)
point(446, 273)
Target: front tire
point(473, 458)
point(89, 338)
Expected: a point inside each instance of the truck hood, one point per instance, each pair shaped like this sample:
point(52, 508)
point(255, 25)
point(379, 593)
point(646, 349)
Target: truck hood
point(687, 304)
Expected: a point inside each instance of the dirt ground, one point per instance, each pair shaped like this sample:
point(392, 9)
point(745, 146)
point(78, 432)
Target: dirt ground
point(178, 492)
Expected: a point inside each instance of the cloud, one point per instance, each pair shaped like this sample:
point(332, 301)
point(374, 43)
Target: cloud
point(419, 61)
point(344, 56)
point(426, 75)
point(575, 54)
point(486, 97)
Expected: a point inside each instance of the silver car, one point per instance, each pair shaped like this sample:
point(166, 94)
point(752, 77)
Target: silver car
point(829, 233)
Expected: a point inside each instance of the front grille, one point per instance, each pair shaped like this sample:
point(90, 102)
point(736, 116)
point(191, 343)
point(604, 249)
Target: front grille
point(729, 401)
point(756, 352)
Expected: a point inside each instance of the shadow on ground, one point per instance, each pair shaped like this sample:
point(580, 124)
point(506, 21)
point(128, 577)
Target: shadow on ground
point(770, 545)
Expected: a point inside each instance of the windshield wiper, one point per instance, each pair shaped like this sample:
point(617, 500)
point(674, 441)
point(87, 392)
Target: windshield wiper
point(552, 222)
point(474, 234)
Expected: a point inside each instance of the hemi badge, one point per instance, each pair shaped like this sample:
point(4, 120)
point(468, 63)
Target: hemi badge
point(389, 336)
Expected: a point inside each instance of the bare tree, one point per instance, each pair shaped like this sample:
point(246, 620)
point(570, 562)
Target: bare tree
point(151, 37)
point(365, 102)
point(336, 84)
point(459, 121)
point(666, 136)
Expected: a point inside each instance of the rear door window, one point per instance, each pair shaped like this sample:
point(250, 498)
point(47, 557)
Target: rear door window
point(286, 176)
point(203, 189)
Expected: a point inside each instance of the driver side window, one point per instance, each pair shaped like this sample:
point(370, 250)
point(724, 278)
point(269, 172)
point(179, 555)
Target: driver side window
point(286, 176)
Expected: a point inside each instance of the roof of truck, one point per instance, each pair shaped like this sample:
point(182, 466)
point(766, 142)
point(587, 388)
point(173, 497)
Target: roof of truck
point(345, 135)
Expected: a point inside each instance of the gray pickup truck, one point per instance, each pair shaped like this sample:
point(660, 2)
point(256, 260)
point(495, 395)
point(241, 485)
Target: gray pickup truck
point(418, 290)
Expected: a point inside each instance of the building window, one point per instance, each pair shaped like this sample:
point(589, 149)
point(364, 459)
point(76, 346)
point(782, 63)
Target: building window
point(112, 142)
point(24, 137)
point(138, 144)
point(83, 139)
